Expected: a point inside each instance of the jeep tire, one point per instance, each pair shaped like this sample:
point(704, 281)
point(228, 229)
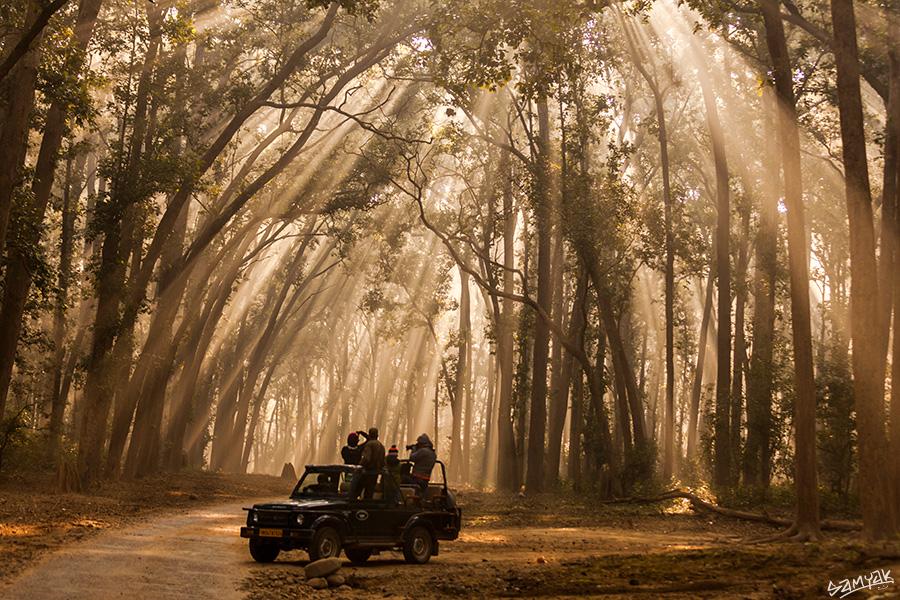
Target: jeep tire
point(325, 543)
point(264, 552)
point(418, 545)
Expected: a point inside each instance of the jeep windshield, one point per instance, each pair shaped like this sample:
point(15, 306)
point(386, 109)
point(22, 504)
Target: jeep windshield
point(331, 481)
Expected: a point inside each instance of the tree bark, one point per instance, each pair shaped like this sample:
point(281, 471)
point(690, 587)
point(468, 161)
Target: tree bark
point(669, 436)
point(697, 388)
point(659, 102)
point(56, 401)
point(878, 503)
point(534, 480)
point(806, 524)
point(757, 463)
point(156, 362)
point(621, 362)
point(577, 327)
point(722, 428)
point(895, 352)
point(740, 344)
point(561, 380)
point(507, 468)
point(462, 375)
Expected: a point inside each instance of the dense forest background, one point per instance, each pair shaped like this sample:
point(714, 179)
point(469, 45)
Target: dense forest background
point(583, 243)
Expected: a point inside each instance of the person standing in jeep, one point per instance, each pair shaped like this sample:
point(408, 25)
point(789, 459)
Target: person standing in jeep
point(372, 462)
point(423, 457)
point(352, 452)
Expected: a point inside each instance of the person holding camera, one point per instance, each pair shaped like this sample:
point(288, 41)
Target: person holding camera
point(352, 452)
point(423, 457)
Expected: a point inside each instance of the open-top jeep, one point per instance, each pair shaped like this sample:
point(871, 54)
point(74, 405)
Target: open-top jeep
point(327, 512)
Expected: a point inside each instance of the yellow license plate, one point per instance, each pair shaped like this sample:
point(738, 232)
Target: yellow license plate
point(270, 532)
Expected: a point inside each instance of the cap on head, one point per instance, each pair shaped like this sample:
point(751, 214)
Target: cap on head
point(373, 433)
point(353, 439)
point(393, 449)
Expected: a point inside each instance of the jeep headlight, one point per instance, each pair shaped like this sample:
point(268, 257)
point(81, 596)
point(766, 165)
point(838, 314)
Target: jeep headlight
point(254, 517)
point(298, 518)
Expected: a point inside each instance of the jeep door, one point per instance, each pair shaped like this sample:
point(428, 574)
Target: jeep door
point(367, 515)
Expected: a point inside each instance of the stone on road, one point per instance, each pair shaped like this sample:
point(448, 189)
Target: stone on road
point(190, 556)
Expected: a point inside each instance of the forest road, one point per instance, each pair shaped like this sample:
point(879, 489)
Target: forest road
point(193, 555)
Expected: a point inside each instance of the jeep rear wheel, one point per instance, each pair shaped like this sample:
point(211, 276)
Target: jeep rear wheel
point(263, 552)
point(326, 543)
point(418, 546)
point(358, 555)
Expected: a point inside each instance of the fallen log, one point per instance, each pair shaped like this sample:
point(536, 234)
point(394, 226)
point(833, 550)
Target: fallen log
point(698, 504)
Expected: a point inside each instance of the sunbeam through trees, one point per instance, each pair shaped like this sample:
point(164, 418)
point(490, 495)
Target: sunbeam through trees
point(612, 246)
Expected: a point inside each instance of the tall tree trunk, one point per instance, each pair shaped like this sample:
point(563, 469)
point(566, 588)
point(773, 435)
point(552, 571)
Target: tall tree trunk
point(524, 345)
point(894, 120)
point(561, 378)
point(488, 473)
point(740, 344)
point(722, 438)
point(578, 325)
point(806, 525)
point(198, 341)
point(560, 359)
point(697, 388)
point(254, 417)
point(757, 464)
point(57, 402)
point(890, 228)
point(576, 427)
point(621, 362)
point(469, 421)
point(879, 501)
point(100, 383)
point(507, 468)
point(148, 386)
point(669, 437)
point(640, 63)
point(534, 480)
point(611, 485)
point(462, 375)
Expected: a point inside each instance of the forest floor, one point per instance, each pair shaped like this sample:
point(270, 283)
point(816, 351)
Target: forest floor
point(35, 521)
point(547, 546)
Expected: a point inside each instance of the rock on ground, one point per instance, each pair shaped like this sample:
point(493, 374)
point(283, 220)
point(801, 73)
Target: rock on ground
point(317, 583)
point(322, 568)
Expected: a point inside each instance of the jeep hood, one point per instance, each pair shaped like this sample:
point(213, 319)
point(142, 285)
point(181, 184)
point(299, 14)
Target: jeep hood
point(301, 504)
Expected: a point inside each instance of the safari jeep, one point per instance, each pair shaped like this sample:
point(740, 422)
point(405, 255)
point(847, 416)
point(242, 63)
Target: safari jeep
point(327, 513)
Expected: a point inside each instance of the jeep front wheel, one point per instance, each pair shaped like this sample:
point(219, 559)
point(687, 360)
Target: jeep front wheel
point(326, 543)
point(358, 555)
point(263, 552)
point(418, 545)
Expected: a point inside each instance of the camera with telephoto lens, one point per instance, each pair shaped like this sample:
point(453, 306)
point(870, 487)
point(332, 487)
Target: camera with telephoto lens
point(411, 447)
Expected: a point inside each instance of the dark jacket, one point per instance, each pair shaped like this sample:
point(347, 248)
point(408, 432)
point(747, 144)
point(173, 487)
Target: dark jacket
point(351, 454)
point(423, 457)
point(372, 456)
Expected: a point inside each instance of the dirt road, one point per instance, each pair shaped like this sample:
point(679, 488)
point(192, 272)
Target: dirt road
point(190, 556)
point(547, 547)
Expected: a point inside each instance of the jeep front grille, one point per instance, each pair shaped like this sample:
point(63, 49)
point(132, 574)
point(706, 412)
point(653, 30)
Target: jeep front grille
point(276, 518)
